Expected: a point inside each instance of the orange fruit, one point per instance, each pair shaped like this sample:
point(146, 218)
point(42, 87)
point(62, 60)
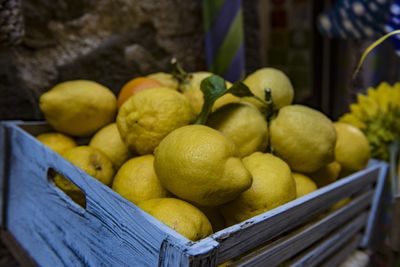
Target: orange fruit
point(135, 85)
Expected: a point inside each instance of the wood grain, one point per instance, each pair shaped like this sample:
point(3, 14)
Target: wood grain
point(372, 218)
point(58, 232)
point(332, 244)
point(241, 238)
point(288, 246)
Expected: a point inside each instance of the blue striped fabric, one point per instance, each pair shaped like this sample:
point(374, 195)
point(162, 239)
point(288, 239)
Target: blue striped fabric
point(361, 19)
point(224, 38)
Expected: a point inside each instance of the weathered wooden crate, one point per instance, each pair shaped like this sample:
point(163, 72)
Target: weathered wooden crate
point(111, 231)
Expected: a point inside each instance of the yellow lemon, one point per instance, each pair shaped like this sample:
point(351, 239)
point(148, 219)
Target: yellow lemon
point(57, 141)
point(108, 140)
point(200, 165)
point(148, 116)
point(190, 88)
point(91, 161)
point(243, 124)
point(327, 174)
point(181, 216)
point(165, 79)
point(78, 108)
point(303, 137)
point(273, 185)
point(304, 184)
point(352, 149)
point(280, 85)
point(137, 181)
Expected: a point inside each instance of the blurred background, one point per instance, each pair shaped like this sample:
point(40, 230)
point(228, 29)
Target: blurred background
point(112, 41)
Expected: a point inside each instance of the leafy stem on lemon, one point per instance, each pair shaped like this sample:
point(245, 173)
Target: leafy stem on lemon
point(214, 87)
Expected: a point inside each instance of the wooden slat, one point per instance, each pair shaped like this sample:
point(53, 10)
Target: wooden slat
point(239, 239)
point(288, 246)
point(335, 242)
point(57, 232)
point(343, 253)
point(373, 215)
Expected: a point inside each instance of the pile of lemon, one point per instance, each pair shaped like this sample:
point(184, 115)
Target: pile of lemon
point(195, 178)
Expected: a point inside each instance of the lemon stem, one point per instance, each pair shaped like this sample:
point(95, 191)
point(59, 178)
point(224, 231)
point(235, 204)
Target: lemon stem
point(212, 87)
point(268, 104)
point(178, 72)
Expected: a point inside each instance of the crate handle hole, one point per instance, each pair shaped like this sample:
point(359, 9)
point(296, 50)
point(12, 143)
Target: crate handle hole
point(66, 188)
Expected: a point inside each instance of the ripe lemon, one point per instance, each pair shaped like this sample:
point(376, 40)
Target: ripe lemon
point(135, 85)
point(243, 124)
point(181, 216)
point(352, 149)
point(273, 185)
point(327, 174)
point(190, 88)
point(165, 79)
point(57, 141)
point(280, 85)
point(304, 184)
point(200, 165)
point(78, 108)
point(303, 137)
point(137, 181)
point(91, 161)
point(148, 116)
point(108, 140)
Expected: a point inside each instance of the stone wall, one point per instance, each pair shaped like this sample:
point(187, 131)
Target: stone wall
point(109, 41)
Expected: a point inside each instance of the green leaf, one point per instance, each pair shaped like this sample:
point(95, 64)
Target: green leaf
point(212, 87)
point(240, 89)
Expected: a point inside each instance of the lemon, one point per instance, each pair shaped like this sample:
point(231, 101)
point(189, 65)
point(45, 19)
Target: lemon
point(166, 79)
point(148, 116)
point(108, 140)
point(327, 174)
point(78, 108)
point(57, 141)
point(190, 88)
point(303, 137)
point(181, 216)
point(91, 161)
point(137, 181)
point(273, 185)
point(200, 165)
point(280, 85)
point(352, 149)
point(243, 124)
point(304, 184)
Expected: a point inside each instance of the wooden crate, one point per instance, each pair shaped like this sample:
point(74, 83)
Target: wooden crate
point(111, 231)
